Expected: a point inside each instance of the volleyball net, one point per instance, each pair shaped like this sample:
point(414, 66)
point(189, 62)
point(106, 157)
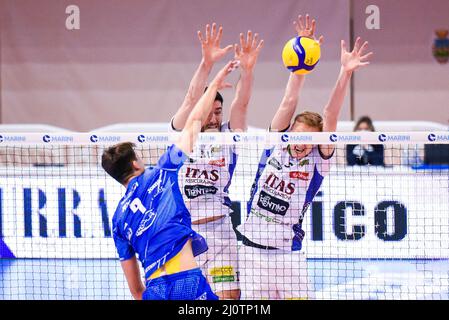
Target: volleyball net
point(377, 228)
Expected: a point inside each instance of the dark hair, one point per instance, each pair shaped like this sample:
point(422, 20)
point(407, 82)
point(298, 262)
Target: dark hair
point(117, 161)
point(367, 120)
point(218, 96)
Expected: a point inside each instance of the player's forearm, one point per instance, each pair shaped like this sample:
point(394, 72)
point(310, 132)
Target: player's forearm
point(137, 293)
point(197, 117)
point(239, 107)
point(286, 110)
point(196, 89)
point(332, 110)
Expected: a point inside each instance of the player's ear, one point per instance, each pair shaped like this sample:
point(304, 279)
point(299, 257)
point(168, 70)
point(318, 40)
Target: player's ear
point(136, 165)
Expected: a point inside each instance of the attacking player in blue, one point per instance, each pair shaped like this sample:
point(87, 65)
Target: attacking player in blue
point(152, 220)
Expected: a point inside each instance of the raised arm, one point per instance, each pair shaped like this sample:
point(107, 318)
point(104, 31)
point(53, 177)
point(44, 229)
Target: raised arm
point(132, 274)
point(247, 54)
point(350, 61)
point(211, 53)
point(284, 114)
point(202, 109)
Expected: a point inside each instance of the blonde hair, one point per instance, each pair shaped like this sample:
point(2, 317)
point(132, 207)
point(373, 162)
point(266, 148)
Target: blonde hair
point(311, 119)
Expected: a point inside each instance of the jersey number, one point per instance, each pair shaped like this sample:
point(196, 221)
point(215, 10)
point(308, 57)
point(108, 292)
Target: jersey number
point(136, 205)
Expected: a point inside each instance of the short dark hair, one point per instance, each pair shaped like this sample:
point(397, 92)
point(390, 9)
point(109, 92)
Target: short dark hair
point(117, 161)
point(367, 120)
point(218, 96)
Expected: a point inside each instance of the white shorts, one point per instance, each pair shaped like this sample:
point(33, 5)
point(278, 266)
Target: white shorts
point(219, 263)
point(273, 274)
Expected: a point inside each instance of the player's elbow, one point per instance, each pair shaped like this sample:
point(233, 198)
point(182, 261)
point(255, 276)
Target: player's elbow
point(137, 293)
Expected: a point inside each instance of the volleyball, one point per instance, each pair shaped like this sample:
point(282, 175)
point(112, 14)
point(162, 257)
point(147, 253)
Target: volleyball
point(301, 54)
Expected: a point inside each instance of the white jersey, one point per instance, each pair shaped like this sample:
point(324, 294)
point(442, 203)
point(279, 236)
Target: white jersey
point(282, 192)
point(205, 179)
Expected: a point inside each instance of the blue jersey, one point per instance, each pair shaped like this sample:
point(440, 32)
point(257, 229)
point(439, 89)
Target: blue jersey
point(151, 219)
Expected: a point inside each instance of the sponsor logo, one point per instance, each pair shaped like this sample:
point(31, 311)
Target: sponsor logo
point(299, 175)
point(205, 138)
point(196, 191)
point(12, 138)
point(272, 204)
point(333, 137)
point(301, 138)
point(275, 163)
point(237, 138)
point(218, 163)
point(345, 138)
point(222, 271)
point(438, 137)
point(304, 162)
point(202, 174)
point(397, 137)
point(280, 185)
point(147, 222)
point(47, 138)
point(143, 138)
point(285, 138)
point(95, 138)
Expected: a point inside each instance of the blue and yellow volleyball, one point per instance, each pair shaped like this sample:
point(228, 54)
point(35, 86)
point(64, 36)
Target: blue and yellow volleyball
point(301, 54)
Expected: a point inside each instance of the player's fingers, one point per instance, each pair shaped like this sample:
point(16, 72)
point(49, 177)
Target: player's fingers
point(236, 50)
point(366, 56)
point(343, 46)
point(242, 41)
point(362, 64)
point(228, 48)
point(321, 40)
point(200, 36)
point(307, 21)
point(300, 22)
point(313, 26)
point(260, 46)
point(254, 42)
point(219, 35)
point(357, 45)
point(214, 31)
point(231, 66)
point(249, 39)
point(363, 48)
point(207, 32)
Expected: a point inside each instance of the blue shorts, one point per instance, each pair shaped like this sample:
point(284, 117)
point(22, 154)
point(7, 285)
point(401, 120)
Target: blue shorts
point(185, 285)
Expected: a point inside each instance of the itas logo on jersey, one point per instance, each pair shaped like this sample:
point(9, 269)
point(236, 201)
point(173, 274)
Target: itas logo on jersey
point(276, 183)
point(195, 173)
point(218, 163)
point(299, 175)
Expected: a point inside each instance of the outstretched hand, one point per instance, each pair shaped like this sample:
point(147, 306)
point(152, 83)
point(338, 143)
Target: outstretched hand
point(307, 28)
point(248, 51)
point(210, 44)
point(351, 61)
point(220, 78)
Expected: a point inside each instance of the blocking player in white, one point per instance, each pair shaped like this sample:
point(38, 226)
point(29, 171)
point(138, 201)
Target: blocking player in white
point(272, 264)
point(206, 178)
